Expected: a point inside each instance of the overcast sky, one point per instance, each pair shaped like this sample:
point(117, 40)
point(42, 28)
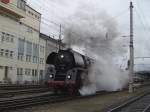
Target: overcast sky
point(54, 12)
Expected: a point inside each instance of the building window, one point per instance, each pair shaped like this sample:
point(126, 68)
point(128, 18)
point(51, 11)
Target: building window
point(1, 52)
point(11, 54)
point(19, 75)
point(35, 53)
point(42, 49)
point(28, 58)
point(27, 71)
point(21, 44)
point(21, 4)
point(6, 53)
point(19, 71)
point(36, 73)
point(41, 72)
point(41, 76)
point(20, 57)
point(41, 60)
point(3, 36)
point(35, 59)
point(21, 49)
point(7, 37)
point(32, 72)
point(28, 51)
point(12, 39)
point(29, 30)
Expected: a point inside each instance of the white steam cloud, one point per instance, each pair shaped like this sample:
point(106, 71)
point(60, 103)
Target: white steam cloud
point(96, 32)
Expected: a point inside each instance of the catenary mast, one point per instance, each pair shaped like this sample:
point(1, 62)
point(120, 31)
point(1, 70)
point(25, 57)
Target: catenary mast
point(131, 66)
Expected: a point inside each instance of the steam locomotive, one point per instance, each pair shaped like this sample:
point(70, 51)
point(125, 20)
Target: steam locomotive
point(67, 71)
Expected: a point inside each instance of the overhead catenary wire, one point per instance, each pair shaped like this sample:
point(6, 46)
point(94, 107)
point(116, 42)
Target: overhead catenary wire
point(141, 21)
point(145, 34)
point(63, 27)
point(55, 25)
point(47, 22)
point(141, 16)
point(142, 13)
point(58, 24)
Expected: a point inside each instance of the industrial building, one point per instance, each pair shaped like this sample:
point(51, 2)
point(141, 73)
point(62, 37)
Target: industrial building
point(22, 51)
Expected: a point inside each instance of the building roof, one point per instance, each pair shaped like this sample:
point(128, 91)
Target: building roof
point(49, 38)
point(27, 5)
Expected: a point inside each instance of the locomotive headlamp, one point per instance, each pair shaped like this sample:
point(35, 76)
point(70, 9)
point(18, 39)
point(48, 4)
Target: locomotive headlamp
point(62, 56)
point(69, 77)
point(51, 76)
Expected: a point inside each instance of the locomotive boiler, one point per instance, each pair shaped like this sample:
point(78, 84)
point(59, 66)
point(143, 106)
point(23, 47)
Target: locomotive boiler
point(67, 70)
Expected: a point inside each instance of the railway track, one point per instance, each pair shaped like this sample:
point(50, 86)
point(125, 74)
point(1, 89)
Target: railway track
point(10, 90)
point(138, 104)
point(48, 97)
point(16, 103)
point(11, 93)
point(19, 87)
point(22, 102)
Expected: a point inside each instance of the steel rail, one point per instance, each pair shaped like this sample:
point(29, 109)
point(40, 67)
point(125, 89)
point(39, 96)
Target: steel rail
point(147, 109)
point(129, 102)
point(10, 87)
point(41, 99)
point(21, 102)
point(25, 91)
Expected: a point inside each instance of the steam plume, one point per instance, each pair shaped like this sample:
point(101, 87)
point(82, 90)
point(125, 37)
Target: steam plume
point(96, 32)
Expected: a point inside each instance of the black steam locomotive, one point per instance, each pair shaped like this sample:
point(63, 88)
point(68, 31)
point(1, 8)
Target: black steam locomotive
point(67, 70)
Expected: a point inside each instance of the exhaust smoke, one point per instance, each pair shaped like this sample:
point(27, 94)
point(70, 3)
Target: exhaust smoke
point(96, 32)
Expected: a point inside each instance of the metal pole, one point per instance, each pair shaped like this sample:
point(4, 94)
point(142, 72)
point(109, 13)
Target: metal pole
point(59, 38)
point(131, 67)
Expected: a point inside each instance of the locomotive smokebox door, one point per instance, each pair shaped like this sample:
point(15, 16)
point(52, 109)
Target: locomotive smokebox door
point(50, 58)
